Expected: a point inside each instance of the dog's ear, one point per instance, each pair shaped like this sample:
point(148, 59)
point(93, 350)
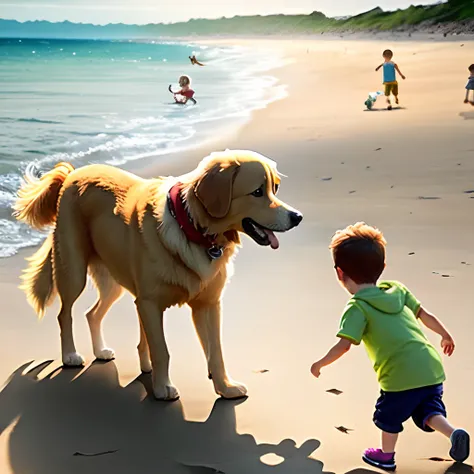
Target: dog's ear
point(214, 189)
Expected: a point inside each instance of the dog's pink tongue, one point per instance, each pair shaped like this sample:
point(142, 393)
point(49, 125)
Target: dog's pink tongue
point(274, 244)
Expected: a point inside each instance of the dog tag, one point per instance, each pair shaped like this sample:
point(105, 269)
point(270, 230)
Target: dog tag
point(215, 252)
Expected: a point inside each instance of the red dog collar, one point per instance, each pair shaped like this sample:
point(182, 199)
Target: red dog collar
point(186, 223)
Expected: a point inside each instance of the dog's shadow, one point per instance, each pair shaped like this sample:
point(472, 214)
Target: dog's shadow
point(75, 422)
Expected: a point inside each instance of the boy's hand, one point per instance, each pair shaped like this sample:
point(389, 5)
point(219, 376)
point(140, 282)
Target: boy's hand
point(403, 77)
point(447, 343)
point(316, 369)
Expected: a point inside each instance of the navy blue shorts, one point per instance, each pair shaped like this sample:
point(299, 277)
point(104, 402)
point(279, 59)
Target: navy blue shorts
point(394, 408)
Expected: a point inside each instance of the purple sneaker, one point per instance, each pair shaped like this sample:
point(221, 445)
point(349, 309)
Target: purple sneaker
point(377, 458)
point(460, 445)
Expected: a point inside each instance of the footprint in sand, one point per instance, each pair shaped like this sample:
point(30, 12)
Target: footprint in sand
point(444, 275)
point(343, 429)
point(436, 459)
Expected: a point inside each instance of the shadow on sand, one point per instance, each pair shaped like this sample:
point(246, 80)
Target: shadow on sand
point(393, 109)
point(68, 411)
point(467, 115)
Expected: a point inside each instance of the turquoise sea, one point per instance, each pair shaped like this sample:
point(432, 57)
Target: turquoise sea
point(88, 101)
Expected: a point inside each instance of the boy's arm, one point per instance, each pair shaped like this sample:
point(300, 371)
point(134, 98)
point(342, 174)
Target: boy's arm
point(399, 72)
point(378, 67)
point(433, 323)
point(335, 353)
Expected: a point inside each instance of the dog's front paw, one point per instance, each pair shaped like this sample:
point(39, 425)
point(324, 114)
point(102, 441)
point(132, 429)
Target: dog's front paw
point(73, 359)
point(165, 392)
point(231, 389)
point(105, 354)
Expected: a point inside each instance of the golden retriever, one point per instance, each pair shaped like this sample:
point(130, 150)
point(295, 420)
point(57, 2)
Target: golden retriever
point(168, 241)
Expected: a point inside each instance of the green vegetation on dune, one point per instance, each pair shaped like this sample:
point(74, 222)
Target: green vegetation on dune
point(377, 19)
point(317, 22)
point(452, 16)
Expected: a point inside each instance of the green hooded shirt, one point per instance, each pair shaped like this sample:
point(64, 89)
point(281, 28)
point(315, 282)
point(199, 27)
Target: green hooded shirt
point(384, 318)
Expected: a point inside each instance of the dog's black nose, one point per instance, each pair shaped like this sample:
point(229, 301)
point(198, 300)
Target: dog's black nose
point(295, 218)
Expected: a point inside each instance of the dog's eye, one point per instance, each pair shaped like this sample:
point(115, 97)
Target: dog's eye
point(258, 192)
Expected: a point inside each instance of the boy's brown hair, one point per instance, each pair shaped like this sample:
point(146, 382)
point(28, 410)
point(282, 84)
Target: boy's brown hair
point(186, 79)
point(359, 251)
point(471, 68)
point(388, 53)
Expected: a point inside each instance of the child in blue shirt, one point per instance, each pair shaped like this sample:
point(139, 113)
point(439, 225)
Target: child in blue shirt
point(470, 86)
point(390, 77)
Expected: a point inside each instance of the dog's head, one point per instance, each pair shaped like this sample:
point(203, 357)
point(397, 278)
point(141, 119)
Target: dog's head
point(236, 191)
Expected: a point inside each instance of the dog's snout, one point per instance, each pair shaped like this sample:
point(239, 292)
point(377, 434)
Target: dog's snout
point(295, 218)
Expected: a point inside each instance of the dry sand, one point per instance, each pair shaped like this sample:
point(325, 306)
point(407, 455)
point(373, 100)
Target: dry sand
point(282, 307)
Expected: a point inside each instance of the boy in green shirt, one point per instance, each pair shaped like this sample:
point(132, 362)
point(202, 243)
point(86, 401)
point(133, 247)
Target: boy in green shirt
point(385, 316)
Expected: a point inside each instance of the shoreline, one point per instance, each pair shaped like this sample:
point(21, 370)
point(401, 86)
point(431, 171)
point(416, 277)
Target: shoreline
point(239, 82)
point(408, 171)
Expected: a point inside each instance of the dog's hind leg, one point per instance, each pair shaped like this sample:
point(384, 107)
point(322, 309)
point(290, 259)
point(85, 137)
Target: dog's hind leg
point(109, 292)
point(71, 251)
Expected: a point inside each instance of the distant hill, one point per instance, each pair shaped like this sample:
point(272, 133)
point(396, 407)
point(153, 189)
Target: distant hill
point(453, 16)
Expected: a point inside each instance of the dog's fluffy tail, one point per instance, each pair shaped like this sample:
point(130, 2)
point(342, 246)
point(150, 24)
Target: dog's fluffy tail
point(38, 198)
point(37, 279)
point(37, 205)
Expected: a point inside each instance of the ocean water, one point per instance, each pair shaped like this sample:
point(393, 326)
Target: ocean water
point(90, 101)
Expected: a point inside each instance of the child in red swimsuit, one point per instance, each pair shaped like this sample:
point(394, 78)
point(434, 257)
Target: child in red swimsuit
point(186, 93)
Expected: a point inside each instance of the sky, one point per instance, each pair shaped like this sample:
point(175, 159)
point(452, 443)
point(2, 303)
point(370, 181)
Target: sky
point(166, 11)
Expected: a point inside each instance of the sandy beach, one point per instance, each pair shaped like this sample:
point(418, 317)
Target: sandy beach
point(409, 172)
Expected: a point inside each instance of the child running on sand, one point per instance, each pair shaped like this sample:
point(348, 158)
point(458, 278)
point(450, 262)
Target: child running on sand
point(390, 76)
point(186, 92)
point(386, 317)
point(470, 86)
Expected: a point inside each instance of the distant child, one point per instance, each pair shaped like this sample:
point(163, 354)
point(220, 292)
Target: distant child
point(389, 76)
point(186, 92)
point(386, 317)
point(470, 86)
